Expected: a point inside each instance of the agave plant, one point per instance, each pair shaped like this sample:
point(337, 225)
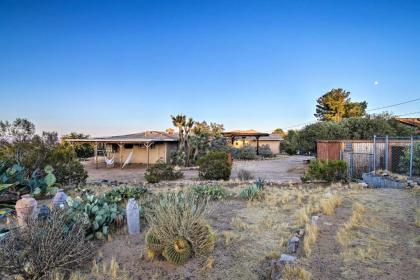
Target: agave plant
point(251, 193)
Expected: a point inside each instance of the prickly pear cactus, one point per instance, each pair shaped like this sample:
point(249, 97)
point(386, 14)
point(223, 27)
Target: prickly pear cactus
point(50, 177)
point(177, 252)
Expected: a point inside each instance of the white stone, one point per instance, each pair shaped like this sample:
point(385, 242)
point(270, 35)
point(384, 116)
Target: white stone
point(294, 239)
point(314, 219)
point(284, 258)
point(133, 217)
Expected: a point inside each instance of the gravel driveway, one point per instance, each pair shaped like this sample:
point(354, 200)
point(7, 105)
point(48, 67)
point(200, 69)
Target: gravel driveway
point(281, 169)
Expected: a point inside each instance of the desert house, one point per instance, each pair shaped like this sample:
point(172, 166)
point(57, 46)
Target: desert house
point(240, 138)
point(145, 147)
point(148, 147)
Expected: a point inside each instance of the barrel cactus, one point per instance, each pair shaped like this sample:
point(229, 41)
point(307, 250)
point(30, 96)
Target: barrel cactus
point(202, 238)
point(178, 251)
point(153, 243)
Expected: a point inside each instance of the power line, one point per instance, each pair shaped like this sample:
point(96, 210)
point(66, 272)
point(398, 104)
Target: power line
point(393, 105)
point(375, 109)
point(301, 124)
point(418, 112)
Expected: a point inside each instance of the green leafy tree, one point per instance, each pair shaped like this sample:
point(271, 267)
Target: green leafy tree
point(279, 132)
point(336, 105)
point(83, 150)
point(19, 130)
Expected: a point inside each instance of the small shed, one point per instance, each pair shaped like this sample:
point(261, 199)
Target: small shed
point(387, 154)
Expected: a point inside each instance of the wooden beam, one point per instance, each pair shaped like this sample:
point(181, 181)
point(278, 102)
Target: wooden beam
point(96, 154)
point(258, 144)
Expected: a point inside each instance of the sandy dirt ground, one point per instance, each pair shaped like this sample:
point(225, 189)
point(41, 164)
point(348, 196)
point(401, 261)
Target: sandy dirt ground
point(282, 169)
point(386, 247)
point(250, 235)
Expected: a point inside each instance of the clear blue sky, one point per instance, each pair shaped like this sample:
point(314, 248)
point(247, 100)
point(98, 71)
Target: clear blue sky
point(109, 67)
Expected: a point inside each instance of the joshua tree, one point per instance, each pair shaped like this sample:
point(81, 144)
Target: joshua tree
point(184, 126)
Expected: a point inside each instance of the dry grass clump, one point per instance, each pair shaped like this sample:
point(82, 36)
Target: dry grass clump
point(109, 272)
point(299, 197)
point(355, 220)
point(328, 205)
point(229, 236)
point(104, 272)
point(417, 217)
point(45, 247)
point(239, 224)
point(303, 215)
point(292, 272)
point(311, 232)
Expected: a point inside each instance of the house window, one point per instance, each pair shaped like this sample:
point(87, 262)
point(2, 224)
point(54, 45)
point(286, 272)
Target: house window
point(128, 146)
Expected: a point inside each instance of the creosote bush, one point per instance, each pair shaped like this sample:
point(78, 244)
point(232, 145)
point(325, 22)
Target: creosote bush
point(161, 171)
point(265, 151)
point(178, 229)
point(245, 175)
point(246, 152)
point(214, 166)
point(44, 247)
point(328, 170)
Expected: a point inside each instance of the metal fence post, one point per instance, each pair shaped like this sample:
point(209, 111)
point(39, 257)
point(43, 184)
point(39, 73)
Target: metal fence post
point(374, 153)
point(411, 157)
point(386, 152)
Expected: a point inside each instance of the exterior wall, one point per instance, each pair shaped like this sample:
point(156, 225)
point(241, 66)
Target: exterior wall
point(328, 150)
point(156, 152)
point(274, 144)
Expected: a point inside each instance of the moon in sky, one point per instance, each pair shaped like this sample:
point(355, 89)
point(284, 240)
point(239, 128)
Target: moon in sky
point(376, 83)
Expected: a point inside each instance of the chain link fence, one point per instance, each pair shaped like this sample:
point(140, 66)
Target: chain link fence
point(400, 155)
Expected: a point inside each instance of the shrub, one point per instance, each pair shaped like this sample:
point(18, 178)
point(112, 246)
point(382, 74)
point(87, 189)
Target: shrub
point(161, 171)
point(98, 215)
point(83, 151)
point(329, 171)
point(405, 160)
point(67, 168)
point(245, 175)
point(214, 166)
point(265, 151)
point(246, 152)
point(178, 229)
point(210, 192)
point(45, 246)
point(178, 158)
point(120, 195)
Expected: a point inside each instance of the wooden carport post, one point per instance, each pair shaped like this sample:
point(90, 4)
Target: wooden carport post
point(96, 154)
point(121, 146)
point(258, 144)
point(147, 145)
